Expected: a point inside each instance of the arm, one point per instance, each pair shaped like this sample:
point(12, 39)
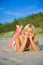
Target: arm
point(34, 46)
point(19, 47)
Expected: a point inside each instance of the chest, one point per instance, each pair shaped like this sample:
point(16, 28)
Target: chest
point(28, 43)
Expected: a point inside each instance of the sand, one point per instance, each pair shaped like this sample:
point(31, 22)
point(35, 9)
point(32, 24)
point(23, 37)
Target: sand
point(10, 57)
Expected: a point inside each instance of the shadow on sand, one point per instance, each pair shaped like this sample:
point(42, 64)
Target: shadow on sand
point(2, 64)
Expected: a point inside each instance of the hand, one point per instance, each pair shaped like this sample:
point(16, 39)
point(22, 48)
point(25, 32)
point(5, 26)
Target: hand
point(30, 37)
point(25, 36)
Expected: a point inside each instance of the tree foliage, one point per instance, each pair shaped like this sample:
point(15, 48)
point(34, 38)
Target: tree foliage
point(35, 19)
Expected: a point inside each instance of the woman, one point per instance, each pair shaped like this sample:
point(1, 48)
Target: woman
point(27, 40)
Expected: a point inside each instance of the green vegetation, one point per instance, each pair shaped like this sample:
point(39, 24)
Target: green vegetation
point(7, 34)
point(35, 19)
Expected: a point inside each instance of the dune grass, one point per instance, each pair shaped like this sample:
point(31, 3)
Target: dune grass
point(7, 34)
point(11, 33)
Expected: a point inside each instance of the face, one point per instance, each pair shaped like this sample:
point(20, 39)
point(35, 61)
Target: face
point(28, 32)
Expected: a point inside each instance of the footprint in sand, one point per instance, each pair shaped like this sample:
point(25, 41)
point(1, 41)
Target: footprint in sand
point(13, 59)
point(7, 49)
point(1, 54)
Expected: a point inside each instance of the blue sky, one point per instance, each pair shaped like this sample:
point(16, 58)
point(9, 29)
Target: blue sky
point(11, 9)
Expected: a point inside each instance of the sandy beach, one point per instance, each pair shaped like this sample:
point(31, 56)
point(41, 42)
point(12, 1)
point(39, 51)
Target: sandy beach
point(10, 57)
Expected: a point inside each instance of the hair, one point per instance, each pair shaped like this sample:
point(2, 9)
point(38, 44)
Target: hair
point(34, 30)
point(27, 27)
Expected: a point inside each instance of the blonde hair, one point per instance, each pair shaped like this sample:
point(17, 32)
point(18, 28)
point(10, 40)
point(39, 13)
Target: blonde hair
point(27, 27)
point(34, 30)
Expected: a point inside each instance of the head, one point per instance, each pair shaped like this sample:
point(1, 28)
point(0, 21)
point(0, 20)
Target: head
point(28, 30)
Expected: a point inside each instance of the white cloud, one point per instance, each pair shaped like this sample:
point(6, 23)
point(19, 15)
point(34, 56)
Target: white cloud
point(40, 10)
point(2, 9)
point(12, 13)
